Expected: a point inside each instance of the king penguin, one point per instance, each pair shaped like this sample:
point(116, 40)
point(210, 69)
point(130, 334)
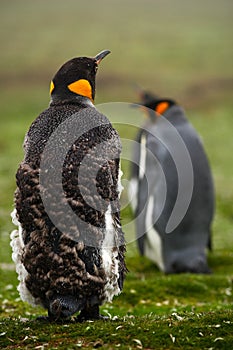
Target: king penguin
point(69, 265)
point(155, 185)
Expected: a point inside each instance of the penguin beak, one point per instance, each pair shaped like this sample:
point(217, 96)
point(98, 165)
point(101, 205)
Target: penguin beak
point(98, 58)
point(139, 91)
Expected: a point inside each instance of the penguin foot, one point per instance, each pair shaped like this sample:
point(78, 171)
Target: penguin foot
point(48, 319)
point(198, 265)
point(51, 319)
point(82, 318)
point(61, 308)
point(91, 314)
point(43, 319)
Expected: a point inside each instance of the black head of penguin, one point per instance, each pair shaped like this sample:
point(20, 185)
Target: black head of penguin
point(76, 78)
point(144, 96)
point(160, 106)
point(155, 105)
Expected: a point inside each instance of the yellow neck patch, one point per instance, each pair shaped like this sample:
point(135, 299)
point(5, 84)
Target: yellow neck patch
point(51, 87)
point(81, 87)
point(162, 107)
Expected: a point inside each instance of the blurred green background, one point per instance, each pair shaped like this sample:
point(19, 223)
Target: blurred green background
point(181, 49)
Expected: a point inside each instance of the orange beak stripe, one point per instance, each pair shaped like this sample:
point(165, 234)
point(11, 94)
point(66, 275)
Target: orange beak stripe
point(51, 87)
point(81, 87)
point(162, 107)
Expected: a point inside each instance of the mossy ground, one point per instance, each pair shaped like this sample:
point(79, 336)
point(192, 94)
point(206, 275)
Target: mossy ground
point(179, 49)
point(153, 312)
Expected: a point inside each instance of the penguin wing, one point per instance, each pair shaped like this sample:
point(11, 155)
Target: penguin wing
point(146, 175)
point(29, 209)
point(134, 172)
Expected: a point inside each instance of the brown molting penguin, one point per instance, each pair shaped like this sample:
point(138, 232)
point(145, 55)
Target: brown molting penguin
point(64, 264)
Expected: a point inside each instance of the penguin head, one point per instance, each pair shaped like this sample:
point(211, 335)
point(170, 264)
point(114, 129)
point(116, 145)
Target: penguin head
point(144, 96)
point(160, 106)
point(155, 105)
point(76, 78)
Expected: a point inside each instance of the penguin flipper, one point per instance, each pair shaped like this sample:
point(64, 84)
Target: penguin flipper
point(140, 242)
point(210, 242)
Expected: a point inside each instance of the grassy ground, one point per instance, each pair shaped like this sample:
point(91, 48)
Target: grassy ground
point(180, 49)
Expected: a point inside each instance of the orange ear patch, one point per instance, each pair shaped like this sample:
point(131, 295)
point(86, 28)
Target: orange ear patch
point(51, 87)
point(81, 87)
point(162, 107)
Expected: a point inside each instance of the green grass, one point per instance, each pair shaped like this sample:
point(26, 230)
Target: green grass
point(186, 330)
point(179, 49)
point(154, 310)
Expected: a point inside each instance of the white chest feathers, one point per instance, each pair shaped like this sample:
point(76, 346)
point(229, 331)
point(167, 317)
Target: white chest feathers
point(110, 262)
point(17, 251)
point(153, 244)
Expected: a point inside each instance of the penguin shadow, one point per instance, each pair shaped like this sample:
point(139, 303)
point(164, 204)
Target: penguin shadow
point(70, 320)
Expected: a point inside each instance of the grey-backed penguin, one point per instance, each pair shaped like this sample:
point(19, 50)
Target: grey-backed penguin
point(161, 172)
point(69, 249)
